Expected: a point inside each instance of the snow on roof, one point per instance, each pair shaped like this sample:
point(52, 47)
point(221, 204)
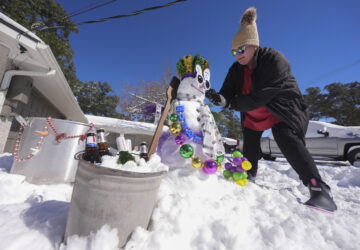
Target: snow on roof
point(229, 141)
point(333, 129)
point(123, 126)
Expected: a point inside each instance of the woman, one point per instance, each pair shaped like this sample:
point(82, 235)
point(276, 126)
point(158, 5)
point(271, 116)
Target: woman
point(261, 86)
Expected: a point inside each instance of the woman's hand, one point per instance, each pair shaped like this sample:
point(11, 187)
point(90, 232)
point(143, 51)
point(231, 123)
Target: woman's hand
point(213, 97)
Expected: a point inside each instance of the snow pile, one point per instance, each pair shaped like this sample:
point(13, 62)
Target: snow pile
point(104, 239)
point(195, 211)
point(140, 165)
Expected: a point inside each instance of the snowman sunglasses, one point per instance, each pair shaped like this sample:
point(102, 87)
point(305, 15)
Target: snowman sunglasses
point(240, 50)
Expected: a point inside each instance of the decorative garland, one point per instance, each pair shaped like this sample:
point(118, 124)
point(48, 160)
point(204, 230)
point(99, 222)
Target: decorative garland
point(236, 168)
point(184, 127)
point(64, 135)
point(35, 150)
point(43, 134)
point(180, 127)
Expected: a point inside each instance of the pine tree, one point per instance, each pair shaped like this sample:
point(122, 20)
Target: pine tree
point(339, 101)
point(229, 123)
point(94, 99)
point(316, 102)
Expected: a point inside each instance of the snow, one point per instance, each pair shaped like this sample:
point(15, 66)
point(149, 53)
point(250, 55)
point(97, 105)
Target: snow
point(140, 165)
point(195, 211)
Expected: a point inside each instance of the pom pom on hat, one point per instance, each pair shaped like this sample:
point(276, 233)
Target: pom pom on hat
point(247, 34)
point(249, 16)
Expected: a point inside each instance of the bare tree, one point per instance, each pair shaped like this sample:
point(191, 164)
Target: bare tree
point(139, 100)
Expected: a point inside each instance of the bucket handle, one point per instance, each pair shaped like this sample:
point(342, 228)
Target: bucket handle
point(78, 155)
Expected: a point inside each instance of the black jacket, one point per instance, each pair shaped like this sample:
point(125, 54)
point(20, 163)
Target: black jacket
point(273, 86)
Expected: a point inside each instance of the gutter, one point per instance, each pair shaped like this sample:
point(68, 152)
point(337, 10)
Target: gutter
point(11, 73)
point(18, 30)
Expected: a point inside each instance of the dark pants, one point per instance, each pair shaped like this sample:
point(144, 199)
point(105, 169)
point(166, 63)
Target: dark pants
point(292, 147)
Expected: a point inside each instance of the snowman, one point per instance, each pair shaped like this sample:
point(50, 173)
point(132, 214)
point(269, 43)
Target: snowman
point(193, 138)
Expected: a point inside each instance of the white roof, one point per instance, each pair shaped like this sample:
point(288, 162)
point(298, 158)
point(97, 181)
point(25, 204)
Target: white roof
point(123, 126)
point(39, 57)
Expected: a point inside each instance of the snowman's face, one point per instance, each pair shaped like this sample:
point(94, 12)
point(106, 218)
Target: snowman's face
point(196, 86)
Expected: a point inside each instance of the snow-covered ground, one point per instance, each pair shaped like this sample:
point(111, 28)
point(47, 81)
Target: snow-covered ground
point(195, 211)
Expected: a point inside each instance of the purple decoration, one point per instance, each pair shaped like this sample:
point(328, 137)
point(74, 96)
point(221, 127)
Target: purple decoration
point(237, 161)
point(210, 167)
point(189, 75)
point(180, 139)
point(208, 170)
point(228, 166)
point(150, 109)
point(239, 169)
point(232, 169)
point(164, 137)
point(210, 164)
point(244, 158)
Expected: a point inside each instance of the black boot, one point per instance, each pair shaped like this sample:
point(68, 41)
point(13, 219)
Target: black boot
point(320, 196)
point(251, 177)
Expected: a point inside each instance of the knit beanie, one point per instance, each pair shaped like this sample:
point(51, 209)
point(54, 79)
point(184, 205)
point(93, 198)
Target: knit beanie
point(247, 34)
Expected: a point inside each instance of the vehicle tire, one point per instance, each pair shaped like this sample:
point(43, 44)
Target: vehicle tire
point(268, 157)
point(354, 155)
point(229, 149)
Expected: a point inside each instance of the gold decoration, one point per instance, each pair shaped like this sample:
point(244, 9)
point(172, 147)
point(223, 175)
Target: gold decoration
point(196, 162)
point(175, 128)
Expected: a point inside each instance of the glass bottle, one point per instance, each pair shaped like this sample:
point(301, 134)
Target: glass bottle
point(144, 151)
point(91, 149)
point(102, 143)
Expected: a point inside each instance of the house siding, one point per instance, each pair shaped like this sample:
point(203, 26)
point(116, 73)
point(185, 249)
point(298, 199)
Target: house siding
point(5, 123)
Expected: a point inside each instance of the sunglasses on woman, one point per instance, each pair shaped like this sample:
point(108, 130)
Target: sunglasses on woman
point(240, 50)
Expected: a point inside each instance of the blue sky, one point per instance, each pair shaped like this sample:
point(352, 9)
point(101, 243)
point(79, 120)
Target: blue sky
point(321, 38)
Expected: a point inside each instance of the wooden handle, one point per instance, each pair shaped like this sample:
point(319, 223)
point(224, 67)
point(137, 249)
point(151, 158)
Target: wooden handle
point(158, 131)
point(170, 94)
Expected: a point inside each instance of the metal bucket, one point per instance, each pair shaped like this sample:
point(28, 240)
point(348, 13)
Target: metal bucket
point(120, 199)
point(55, 162)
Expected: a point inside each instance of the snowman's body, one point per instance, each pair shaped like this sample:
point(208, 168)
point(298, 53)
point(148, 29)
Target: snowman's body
point(199, 120)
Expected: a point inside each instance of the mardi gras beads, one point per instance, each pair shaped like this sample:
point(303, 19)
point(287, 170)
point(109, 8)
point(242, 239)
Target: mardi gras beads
point(174, 117)
point(186, 150)
point(179, 139)
point(210, 167)
point(196, 162)
point(175, 128)
point(180, 128)
point(237, 171)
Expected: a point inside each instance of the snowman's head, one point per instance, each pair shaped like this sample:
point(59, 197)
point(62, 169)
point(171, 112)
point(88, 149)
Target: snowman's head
point(195, 76)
